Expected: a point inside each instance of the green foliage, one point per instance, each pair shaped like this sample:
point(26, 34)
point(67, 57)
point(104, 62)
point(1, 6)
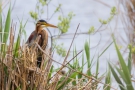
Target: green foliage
point(51, 71)
point(64, 23)
point(43, 2)
point(62, 84)
point(116, 77)
point(58, 8)
point(17, 44)
point(5, 33)
point(75, 77)
point(87, 51)
point(7, 27)
point(97, 68)
point(91, 30)
point(132, 48)
point(112, 13)
point(103, 21)
point(130, 59)
point(76, 65)
point(124, 71)
point(107, 80)
point(39, 10)
point(34, 15)
point(61, 50)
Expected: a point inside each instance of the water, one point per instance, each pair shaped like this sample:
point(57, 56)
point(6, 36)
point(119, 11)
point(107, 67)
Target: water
point(87, 14)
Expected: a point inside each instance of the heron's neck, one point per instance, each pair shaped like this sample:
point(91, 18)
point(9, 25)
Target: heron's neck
point(39, 29)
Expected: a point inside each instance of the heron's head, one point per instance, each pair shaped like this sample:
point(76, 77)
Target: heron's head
point(42, 24)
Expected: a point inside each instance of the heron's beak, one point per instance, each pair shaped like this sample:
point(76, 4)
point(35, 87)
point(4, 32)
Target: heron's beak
point(50, 25)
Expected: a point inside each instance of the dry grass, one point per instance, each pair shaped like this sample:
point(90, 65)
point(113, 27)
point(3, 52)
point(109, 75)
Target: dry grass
point(22, 71)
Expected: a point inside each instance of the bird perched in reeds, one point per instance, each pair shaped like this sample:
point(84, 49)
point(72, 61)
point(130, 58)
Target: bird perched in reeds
point(43, 41)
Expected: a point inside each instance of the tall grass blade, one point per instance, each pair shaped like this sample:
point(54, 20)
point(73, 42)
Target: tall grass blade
point(106, 49)
point(121, 85)
point(17, 45)
point(107, 80)
point(87, 51)
point(129, 60)
point(6, 30)
point(124, 68)
point(97, 68)
point(51, 71)
point(7, 27)
point(82, 62)
point(121, 74)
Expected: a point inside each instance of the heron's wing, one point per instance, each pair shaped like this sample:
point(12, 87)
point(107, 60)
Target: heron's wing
point(32, 38)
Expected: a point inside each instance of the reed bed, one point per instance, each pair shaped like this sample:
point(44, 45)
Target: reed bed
point(19, 71)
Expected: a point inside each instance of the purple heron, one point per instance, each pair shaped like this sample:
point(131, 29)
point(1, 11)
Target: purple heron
point(43, 41)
